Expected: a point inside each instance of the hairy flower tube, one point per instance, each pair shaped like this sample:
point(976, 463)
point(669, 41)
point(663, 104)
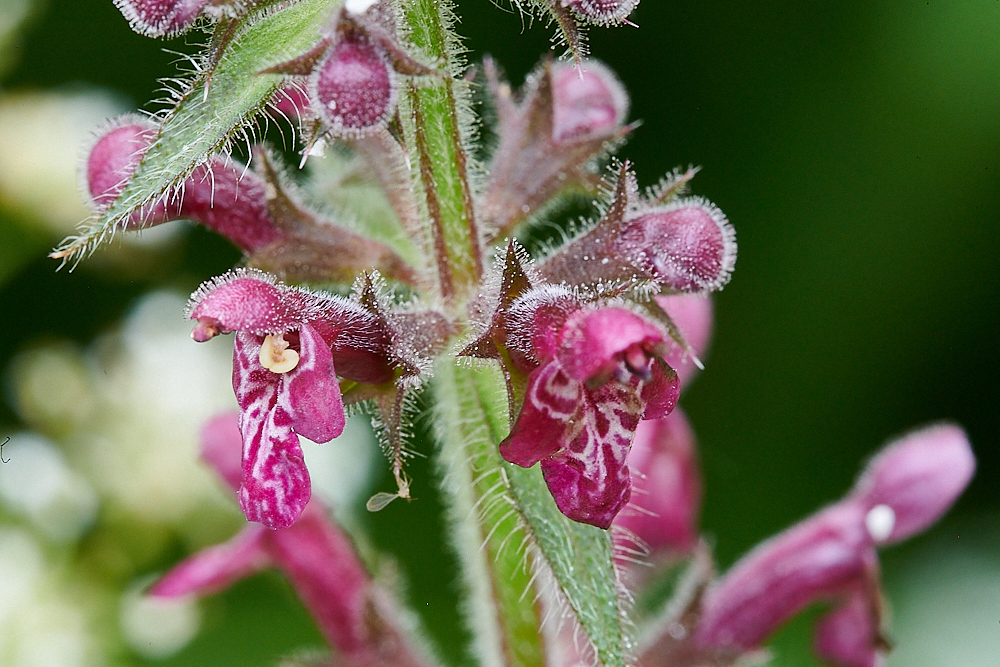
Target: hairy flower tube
point(355, 616)
point(287, 344)
point(254, 211)
point(831, 555)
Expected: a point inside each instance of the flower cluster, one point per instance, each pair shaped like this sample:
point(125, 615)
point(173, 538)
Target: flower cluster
point(594, 337)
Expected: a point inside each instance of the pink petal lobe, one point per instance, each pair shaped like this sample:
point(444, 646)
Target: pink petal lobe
point(276, 484)
point(848, 635)
point(221, 447)
point(589, 479)
point(594, 340)
point(812, 560)
point(666, 485)
point(661, 392)
point(919, 477)
point(310, 393)
point(216, 568)
point(551, 401)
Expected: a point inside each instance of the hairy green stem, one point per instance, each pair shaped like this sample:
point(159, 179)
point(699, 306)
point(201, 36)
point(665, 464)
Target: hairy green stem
point(432, 115)
point(487, 528)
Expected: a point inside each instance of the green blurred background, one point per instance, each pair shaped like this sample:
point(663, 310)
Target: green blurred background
point(855, 146)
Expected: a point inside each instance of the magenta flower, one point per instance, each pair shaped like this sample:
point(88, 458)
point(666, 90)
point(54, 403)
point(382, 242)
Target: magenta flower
point(831, 555)
point(354, 616)
point(287, 341)
point(661, 521)
point(600, 370)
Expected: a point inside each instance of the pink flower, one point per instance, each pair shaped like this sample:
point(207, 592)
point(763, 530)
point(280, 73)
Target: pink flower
point(318, 558)
point(662, 517)
point(287, 341)
point(600, 370)
point(832, 556)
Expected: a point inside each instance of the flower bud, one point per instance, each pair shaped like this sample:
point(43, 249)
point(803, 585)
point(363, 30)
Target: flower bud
point(587, 101)
point(688, 245)
point(114, 157)
point(602, 12)
point(161, 18)
point(692, 313)
point(912, 482)
point(354, 88)
point(810, 561)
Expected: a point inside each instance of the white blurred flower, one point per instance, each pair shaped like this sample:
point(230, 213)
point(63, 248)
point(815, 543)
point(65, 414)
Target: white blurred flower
point(37, 483)
point(341, 469)
point(157, 388)
point(157, 627)
point(39, 624)
point(41, 137)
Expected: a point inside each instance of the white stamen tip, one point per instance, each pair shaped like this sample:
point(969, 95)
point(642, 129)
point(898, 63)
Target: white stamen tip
point(358, 7)
point(880, 521)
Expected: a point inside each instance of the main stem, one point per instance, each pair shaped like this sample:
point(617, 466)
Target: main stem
point(432, 113)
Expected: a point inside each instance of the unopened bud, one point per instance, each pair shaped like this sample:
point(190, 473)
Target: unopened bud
point(220, 194)
point(353, 89)
point(689, 245)
point(666, 489)
point(602, 12)
point(587, 101)
point(161, 18)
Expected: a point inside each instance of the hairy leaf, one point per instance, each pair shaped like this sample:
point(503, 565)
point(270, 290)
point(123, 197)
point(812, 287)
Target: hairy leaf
point(520, 529)
point(203, 123)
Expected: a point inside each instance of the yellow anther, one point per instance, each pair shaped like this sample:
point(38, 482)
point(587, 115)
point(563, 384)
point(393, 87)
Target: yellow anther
point(275, 355)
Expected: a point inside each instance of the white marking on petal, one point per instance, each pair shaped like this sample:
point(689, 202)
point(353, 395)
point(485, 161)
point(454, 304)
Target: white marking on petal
point(880, 521)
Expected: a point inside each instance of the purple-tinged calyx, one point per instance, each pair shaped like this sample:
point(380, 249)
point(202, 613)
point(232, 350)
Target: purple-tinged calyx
point(831, 555)
point(565, 117)
point(601, 12)
point(598, 373)
point(161, 18)
point(318, 558)
point(685, 246)
point(287, 342)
